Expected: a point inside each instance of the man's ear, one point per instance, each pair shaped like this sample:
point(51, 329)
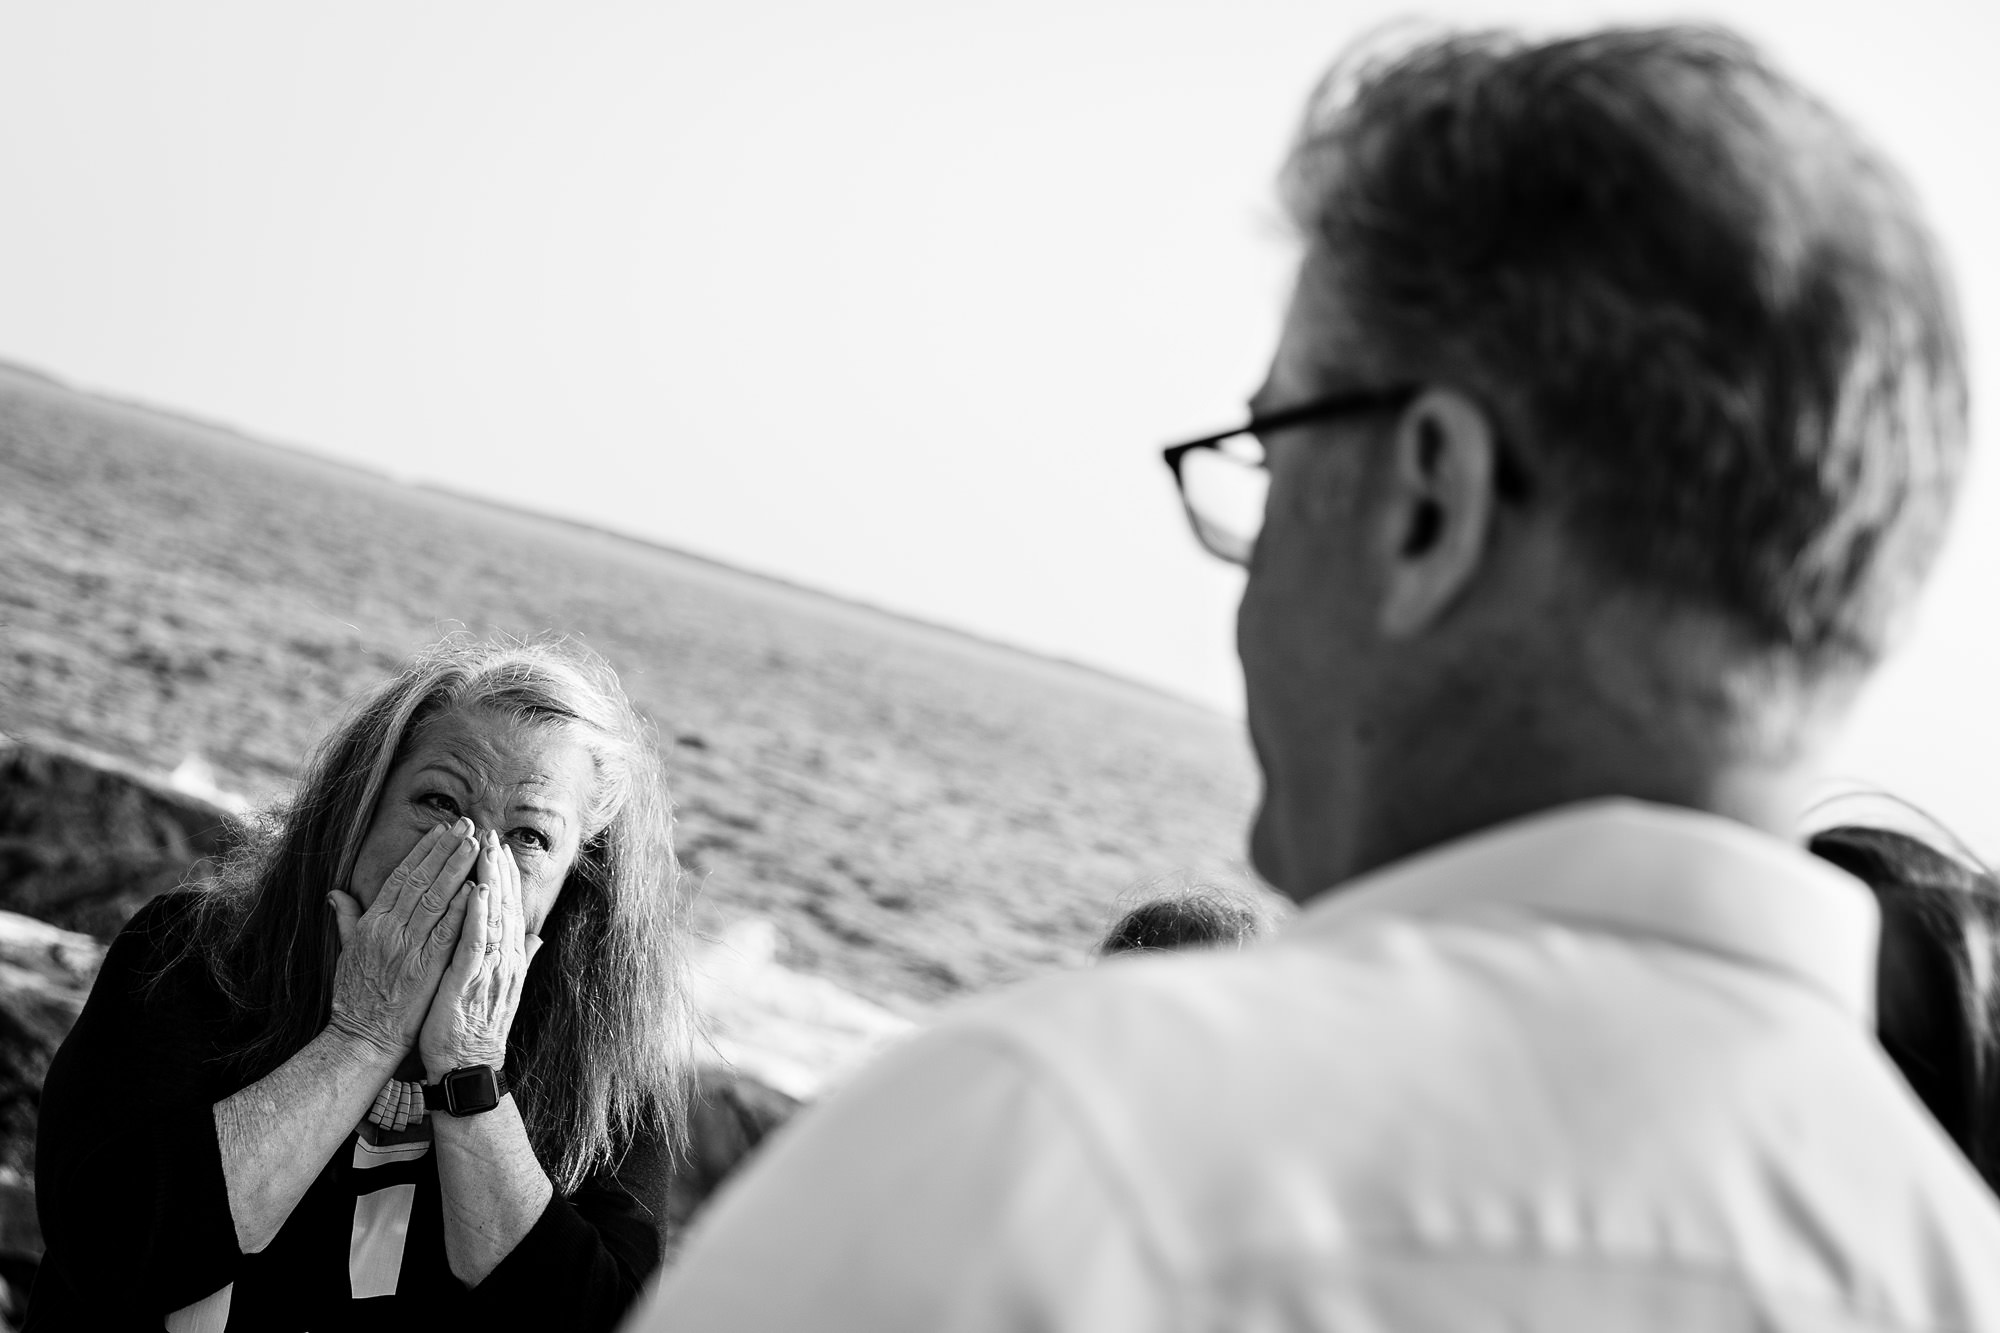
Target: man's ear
point(1439, 508)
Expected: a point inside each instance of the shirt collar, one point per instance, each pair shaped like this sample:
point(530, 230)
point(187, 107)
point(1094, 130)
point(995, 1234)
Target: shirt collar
point(1696, 879)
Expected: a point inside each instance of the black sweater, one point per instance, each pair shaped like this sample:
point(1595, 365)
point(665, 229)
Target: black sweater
point(129, 1185)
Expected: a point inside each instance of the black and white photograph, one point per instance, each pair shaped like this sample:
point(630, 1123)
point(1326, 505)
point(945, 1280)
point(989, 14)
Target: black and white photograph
point(1074, 666)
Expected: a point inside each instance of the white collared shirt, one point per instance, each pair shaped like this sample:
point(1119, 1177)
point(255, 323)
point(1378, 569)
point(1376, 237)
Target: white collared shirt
point(1608, 1068)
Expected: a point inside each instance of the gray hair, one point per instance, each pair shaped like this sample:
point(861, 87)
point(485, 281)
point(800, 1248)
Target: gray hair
point(1706, 315)
point(600, 1044)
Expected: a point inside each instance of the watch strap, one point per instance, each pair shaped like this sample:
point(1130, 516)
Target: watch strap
point(437, 1098)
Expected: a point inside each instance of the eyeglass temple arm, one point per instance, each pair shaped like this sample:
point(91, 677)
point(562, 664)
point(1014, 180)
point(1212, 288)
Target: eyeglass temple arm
point(1331, 405)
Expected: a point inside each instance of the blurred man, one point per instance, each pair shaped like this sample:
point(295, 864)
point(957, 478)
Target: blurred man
point(1613, 423)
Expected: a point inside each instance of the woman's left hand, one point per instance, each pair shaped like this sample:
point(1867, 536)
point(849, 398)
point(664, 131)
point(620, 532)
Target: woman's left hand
point(474, 1008)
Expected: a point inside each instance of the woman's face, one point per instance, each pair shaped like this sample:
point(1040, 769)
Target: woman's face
point(530, 783)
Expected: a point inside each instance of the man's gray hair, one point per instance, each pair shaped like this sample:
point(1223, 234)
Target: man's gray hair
point(1706, 316)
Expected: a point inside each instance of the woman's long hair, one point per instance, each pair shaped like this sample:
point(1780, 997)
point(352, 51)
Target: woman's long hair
point(599, 1045)
point(1938, 997)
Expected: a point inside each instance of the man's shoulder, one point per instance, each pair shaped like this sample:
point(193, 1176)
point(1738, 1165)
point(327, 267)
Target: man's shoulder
point(1577, 1117)
point(1537, 1096)
point(1493, 1033)
point(1184, 1064)
point(1377, 991)
point(1138, 1012)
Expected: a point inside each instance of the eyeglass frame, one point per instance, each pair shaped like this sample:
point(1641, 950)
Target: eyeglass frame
point(1346, 403)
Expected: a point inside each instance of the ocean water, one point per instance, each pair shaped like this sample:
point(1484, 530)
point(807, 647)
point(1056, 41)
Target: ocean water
point(921, 813)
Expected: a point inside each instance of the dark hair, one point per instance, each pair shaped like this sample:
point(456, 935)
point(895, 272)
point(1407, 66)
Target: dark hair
point(600, 1041)
point(1706, 314)
point(1195, 917)
point(1937, 1003)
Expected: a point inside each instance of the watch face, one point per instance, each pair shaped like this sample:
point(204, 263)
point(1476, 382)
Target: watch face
point(470, 1090)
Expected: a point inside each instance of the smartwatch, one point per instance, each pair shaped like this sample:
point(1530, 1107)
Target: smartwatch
point(467, 1091)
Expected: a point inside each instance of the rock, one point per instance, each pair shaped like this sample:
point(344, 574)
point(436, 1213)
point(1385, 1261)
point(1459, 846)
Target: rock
point(45, 976)
point(729, 1114)
point(20, 1226)
point(85, 840)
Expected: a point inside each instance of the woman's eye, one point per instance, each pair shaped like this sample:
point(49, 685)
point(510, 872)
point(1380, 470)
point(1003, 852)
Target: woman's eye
point(438, 801)
point(534, 838)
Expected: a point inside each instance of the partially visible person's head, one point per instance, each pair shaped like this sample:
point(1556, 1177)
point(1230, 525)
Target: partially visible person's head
point(538, 742)
point(1199, 916)
point(1937, 992)
point(1685, 414)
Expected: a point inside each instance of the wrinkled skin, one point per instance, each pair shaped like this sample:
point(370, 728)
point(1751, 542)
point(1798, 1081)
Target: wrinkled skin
point(506, 802)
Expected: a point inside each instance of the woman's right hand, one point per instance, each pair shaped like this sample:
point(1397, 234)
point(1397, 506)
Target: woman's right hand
point(393, 955)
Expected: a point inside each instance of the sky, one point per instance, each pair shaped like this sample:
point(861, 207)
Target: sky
point(895, 298)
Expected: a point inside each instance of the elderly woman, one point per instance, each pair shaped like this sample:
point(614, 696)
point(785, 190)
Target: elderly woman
point(417, 1055)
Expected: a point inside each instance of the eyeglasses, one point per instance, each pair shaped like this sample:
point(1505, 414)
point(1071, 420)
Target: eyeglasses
point(1223, 479)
